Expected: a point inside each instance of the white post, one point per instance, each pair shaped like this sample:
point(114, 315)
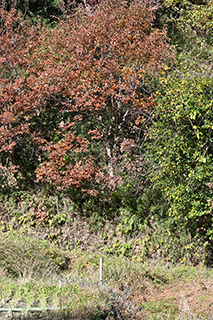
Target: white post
point(100, 272)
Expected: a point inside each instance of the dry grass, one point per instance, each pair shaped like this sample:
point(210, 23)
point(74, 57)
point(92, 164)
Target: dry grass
point(26, 256)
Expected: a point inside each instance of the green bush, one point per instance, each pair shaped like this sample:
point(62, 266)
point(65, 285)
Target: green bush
point(180, 146)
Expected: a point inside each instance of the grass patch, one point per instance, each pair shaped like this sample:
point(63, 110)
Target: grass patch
point(36, 275)
point(48, 296)
point(25, 256)
point(161, 307)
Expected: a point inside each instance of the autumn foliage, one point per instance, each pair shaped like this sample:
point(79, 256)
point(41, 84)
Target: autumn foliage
point(106, 112)
point(81, 84)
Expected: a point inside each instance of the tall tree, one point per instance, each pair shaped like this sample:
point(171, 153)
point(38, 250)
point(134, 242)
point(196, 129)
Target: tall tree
point(81, 84)
point(106, 56)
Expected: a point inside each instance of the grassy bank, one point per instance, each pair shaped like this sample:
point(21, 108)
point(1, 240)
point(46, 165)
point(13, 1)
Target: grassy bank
point(40, 281)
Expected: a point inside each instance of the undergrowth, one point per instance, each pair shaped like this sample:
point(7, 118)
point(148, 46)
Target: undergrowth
point(53, 264)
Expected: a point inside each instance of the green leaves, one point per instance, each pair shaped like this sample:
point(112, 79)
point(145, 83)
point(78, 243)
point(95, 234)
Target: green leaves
point(180, 145)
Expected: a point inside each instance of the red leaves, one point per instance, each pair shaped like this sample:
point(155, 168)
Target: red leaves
point(110, 48)
point(62, 168)
point(95, 134)
point(127, 144)
point(65, 175)
point(94, 63)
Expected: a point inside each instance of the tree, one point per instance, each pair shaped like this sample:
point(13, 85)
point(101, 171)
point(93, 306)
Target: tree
point(106, 56)
point(180, 149)
point(80, 86)
point(17, 38)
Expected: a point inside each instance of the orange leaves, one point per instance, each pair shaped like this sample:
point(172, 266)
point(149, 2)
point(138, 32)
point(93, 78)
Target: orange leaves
point(106, 55)
point(127, 144)
point(7, 117)
point(95, 134)
point(62, 168)
point(63, 176)
point(108, 48)
point(90, 70)
point(139, 120)
point(16, 102)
